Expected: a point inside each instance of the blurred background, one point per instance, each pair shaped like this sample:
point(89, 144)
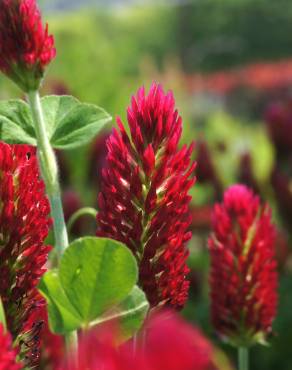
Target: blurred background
point(229, 63)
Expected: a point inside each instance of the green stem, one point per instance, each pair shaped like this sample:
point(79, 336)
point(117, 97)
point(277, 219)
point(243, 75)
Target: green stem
point(71, 343)
point(243, 358)
point(81, 212)
point(135, 344)
point(2, 315)
point(49, 170)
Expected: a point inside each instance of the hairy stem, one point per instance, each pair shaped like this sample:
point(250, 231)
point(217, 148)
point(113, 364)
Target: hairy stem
point(243, 358)
point(49, 170)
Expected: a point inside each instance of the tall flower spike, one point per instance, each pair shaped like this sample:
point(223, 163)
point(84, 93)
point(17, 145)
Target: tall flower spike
point(144, 195)
point(7, 353)
point(24, 225)
point(243, 275)
point(26, 48)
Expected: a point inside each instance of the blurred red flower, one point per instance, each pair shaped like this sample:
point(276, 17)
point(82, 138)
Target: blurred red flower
point(201, 217)
point(167, 343)
point(7, 353)
point(26, 47)
point(246, 174)
point(205, 170)
point(173, 344)
point(71, 204)
point(144, 195)
point(261, 77)
point(243, 273)
point(97, 159)
point(281, 183)
point(278, 118)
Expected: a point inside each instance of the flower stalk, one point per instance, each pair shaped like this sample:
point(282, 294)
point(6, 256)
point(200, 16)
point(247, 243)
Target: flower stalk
point(243, 358)
point(49, 170)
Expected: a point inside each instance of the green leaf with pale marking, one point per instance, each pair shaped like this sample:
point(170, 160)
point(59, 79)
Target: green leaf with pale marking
point(96, 274)
point(95, 283)
point(129, 314)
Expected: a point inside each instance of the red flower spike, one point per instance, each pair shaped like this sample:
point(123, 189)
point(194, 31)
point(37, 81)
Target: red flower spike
point(243, 275)
point(7, 353)
point(25, 45)
point(144, 195)
point(24, 225)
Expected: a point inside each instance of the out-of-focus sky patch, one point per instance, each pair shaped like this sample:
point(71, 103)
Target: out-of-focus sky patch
point(52, 5)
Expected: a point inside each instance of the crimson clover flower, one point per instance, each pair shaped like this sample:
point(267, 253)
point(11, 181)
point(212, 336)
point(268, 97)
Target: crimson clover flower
point(26, 48)
point(7, 353)
point(168, 343)
point(144, 195)
point(24, 225)
point(243, 275)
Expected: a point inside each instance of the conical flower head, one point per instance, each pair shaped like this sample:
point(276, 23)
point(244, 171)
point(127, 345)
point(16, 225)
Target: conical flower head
point(144, 195)
point(243, 275)
point(26, 48)
point(7, 353)
point(24, 225)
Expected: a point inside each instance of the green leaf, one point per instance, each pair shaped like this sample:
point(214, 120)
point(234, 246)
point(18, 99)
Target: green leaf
point(70, 123)
point(55, 109)
point(133, 312)
point(95, 283)
point(97, 274)
point(130, 314)
point(62, 315)
point(2, 315)
point(16, 125)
